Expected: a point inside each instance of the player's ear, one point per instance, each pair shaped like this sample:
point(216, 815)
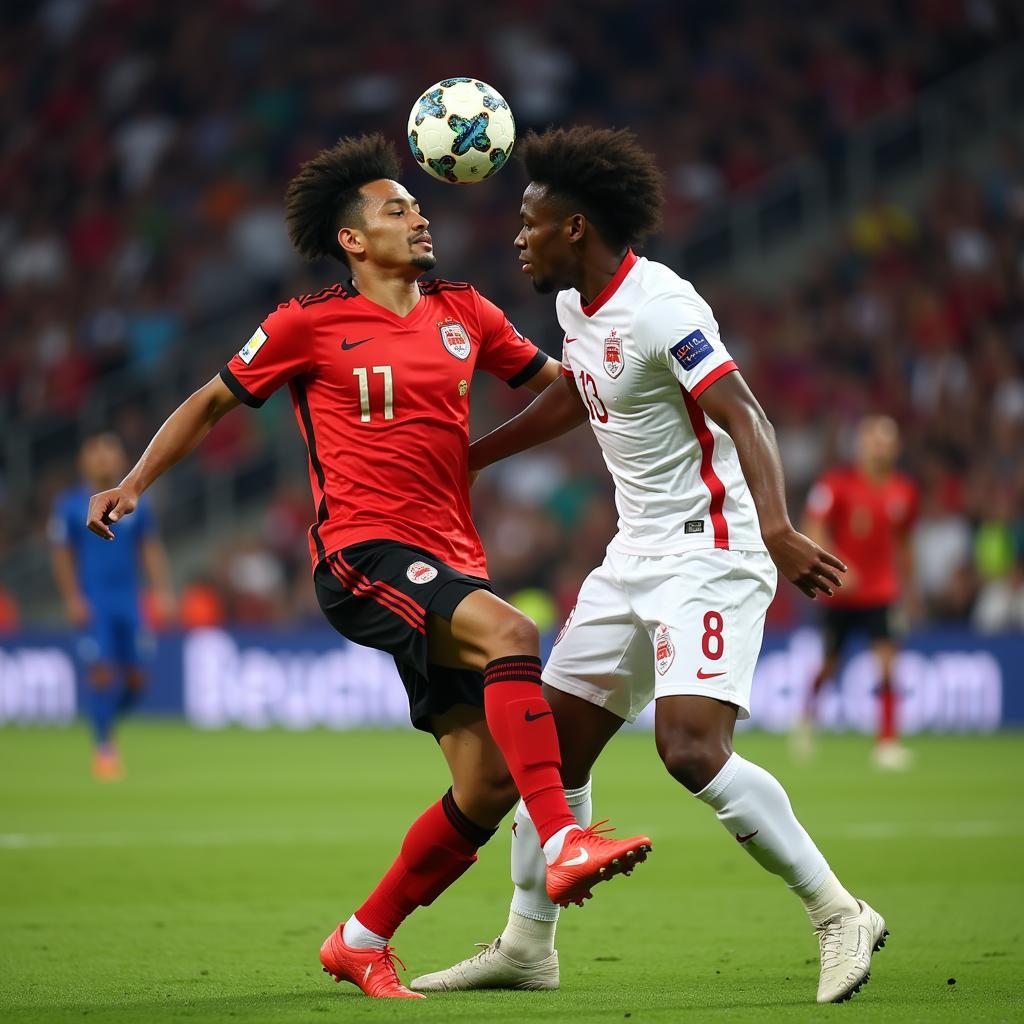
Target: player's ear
point(351, 240)
point(576, 227)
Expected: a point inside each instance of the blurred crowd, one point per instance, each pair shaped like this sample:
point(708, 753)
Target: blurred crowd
point(145, 156)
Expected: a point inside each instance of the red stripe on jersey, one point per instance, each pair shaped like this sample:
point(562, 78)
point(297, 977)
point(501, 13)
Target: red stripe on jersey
point(707, 469)
point(716, 374)
point(410, 604)
point(360, 589)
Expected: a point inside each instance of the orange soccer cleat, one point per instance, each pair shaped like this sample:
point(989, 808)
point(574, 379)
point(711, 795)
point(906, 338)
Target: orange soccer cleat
point(372, 970)
point(588, 858)
point(106, 765)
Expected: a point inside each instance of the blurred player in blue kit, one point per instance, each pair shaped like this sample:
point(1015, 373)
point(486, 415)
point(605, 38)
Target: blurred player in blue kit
point(101, 587)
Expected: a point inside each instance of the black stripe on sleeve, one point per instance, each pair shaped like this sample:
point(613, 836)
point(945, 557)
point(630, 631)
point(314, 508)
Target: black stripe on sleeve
point(239, 390)
point(533, 367)
point(299, 390)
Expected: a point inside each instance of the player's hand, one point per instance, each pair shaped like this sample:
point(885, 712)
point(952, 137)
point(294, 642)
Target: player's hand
point(108, 507)
point(163, 608)
point(805, 564)
point(79, 612)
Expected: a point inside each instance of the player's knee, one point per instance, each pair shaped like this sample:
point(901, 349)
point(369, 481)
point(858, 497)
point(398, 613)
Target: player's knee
point(514, 633)
point(135, 679)
point(488, 796)
point(693, 761)
point(101, 676)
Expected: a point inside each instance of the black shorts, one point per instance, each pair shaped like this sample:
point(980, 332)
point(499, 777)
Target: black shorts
point(378, 593)
point(840, 624)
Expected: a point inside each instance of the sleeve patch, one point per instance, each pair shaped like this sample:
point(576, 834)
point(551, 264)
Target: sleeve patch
point(252, 346)
point(691, 350)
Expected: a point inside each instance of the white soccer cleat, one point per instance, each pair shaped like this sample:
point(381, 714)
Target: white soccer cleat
point(891, 756)
point(491, 968)
point(846, 947)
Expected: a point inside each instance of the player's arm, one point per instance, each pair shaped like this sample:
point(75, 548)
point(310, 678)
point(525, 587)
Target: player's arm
point(557, 410)
point(158, 575)
point(730, 403)
point(65, 574)
point(181, 432)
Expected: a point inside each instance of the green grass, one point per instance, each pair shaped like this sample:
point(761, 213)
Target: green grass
point(200, 888)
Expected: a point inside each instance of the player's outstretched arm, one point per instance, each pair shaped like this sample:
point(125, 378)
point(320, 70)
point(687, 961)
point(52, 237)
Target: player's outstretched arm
point(556, 411)
point(181, 432)
point(730, 403)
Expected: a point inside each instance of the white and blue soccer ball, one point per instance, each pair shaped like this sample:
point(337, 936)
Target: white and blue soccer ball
point(461, 130)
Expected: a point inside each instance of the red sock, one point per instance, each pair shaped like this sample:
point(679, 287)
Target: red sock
point(522, 725)
point(887, 719)
point(438, 849)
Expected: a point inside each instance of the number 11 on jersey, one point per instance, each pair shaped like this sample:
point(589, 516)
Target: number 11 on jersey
point(364, 392)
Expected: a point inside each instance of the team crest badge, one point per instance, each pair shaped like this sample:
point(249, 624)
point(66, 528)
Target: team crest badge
point(613, 354)
point(420, 572)
point(664, 651)
point(455, 338)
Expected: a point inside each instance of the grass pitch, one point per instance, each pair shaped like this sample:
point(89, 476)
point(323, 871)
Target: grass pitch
point(200, 888)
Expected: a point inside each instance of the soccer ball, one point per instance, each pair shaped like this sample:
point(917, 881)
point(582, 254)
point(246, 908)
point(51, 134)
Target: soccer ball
point(461, 131)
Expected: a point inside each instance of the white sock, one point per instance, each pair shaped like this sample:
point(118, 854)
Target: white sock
point(554, 844)
point(530, 934)
point(358, 936)
point(754, 808)
point(829, 900)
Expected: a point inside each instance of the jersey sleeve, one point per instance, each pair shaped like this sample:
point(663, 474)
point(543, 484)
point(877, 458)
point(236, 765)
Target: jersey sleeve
point(280, 348)
point(504, 352)
point(682, 334)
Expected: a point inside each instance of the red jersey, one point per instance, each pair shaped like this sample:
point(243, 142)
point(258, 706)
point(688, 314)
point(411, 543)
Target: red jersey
point(382, 402)
point(868, 520)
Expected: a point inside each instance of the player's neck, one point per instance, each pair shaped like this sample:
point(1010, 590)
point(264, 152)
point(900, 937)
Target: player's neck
point(595, 271)
point(397, 294)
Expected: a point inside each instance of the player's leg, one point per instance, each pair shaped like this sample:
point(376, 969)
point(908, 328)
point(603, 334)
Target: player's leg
point(594, 681)
point(98, 651)
point(102, 705)
point(438, 849)
point(834, 631)
point(717, 620)
point(485, 632)
point(524, 955)
point(888, 753)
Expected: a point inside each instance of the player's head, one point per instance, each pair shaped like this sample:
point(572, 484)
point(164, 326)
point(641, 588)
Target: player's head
point(102, 461)
point(878, 443)
point(347, 203)
point(590, 188)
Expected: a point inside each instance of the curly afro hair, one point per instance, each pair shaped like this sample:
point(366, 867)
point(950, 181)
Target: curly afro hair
point(324, 196)
point(604, 174)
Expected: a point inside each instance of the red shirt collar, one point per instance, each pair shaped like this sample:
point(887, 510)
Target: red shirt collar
point(612, 286)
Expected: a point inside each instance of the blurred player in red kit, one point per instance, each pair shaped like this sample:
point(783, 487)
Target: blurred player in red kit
point(379, 369)
point(865, 513)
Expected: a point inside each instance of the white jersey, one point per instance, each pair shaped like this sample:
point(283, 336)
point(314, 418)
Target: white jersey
point(641, 354)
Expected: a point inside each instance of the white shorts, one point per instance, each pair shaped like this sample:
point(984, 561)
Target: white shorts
point(655, 626)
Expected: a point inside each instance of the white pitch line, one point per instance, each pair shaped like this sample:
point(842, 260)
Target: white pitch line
point(868, 830)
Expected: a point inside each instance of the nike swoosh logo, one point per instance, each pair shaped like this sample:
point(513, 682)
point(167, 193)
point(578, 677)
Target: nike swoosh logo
point(581, 858)
point(346, 344)
point(744, 839)
point(701, 674)
point(569, 341)
point(541, 714)
point(366, 973)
